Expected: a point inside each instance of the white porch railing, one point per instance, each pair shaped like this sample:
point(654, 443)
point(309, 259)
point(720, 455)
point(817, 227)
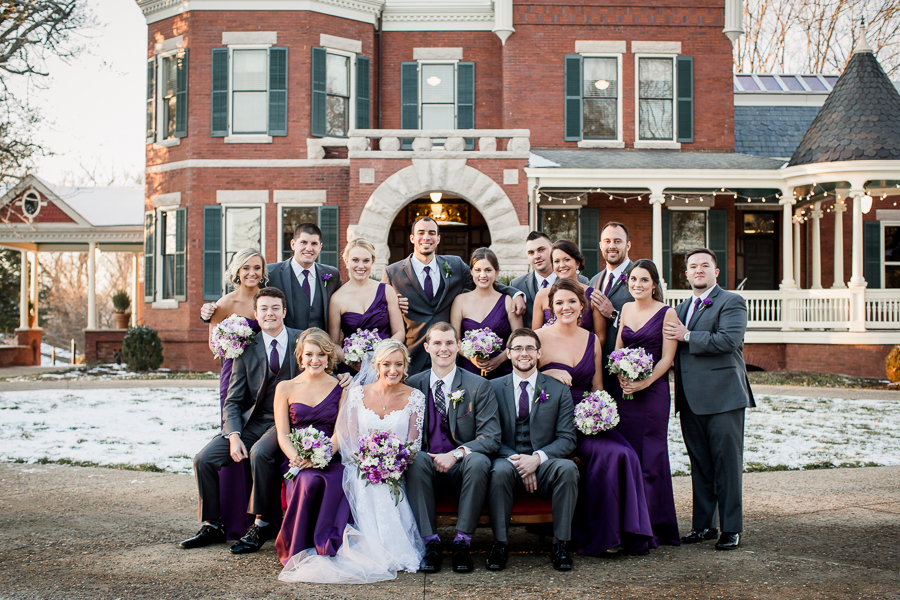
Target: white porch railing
point(825, 309)
point(439, 143)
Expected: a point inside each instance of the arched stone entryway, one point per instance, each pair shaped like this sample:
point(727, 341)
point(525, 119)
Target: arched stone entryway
point(451, 176)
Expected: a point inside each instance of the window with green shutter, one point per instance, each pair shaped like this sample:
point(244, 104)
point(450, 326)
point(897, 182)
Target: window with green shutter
point(572, 87)
point(172, 254)
point(327, 219)
point(666, 265)
point(329, 224)
point(219, 100)
point(149, 256)
point(872, 251)
point(151, 100)
point(180, 288)
point(363, 85)
point(212, 252)
point(278, 82)
point(685, 89)
point(718, 243)
point(465, 99)
point(181, 94)
point(590, 241)
point(318, 103)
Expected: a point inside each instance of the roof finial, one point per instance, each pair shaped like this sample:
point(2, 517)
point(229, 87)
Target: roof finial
point(862, 45)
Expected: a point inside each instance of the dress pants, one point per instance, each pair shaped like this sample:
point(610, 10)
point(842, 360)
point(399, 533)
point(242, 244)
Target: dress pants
point(557, 478)
point(468, 479)
point(261, 440)
point(715, 444)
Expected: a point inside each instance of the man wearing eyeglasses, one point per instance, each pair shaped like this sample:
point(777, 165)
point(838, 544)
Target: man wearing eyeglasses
point(537, 433)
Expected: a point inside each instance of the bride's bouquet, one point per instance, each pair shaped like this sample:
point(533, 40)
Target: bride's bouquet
point(358, 344)
point(597, 412)
point(633, 364)
point(231, 336)
point(383, 458)
point(480, 343)
point(312, 445)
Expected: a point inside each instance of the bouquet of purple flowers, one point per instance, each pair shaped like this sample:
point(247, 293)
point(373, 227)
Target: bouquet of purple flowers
point(597, 412)
point(383, 458)
point(231, 336)
point(358, 344)
point(480, 343)
point(312, 445)
point(633, 364)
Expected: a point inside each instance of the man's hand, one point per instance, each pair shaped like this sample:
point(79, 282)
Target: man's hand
point(238, 449)
point(344, 379)
point(674, 330)
point(602, 303)
point(207, 310)
point(404, 304)
point(526, 464)
point(530, 483)
point(443, 462)
point(518, 304)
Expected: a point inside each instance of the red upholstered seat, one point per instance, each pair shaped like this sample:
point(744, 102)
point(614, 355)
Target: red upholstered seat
point(526, 509)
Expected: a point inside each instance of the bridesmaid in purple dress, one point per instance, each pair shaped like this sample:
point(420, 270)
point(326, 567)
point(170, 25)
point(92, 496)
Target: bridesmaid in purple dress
point(568, 261)
point(246, 273)
point(644, 420)
point(317, 510)
point(363, 303)
point(612, 507)
point(485, 307)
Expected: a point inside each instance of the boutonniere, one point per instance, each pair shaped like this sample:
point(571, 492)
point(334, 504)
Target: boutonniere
point(456, 397)
point(704, 303)
point(541, 396)
point(448, 269)
point(325, 278)
point(623, 278)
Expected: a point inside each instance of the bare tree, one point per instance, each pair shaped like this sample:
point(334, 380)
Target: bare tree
point(66, 304)
point(101, 175)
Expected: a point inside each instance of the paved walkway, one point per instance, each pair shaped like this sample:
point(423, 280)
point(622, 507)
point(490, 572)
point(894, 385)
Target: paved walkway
point(78, 533)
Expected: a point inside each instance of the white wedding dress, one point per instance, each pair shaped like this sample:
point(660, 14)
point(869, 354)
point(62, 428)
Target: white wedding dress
point(384, 538)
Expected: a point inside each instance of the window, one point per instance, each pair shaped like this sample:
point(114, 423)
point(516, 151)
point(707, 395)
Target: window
point(891, 234)
point(656, 93)
point(167, 83)
point(168, 247)
point(340, 92)
point(337, 89)
point(437, 96)
point(243, 229)
point(326, 217)
point(600, 98)
point(165, 255)
point(560, 223)
point(291, 216)
point(688, 232)
point(249, 93)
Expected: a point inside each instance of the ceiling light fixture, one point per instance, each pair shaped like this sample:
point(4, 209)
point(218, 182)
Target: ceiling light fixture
point(433, 81)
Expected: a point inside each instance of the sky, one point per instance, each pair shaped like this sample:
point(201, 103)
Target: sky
point(92, 107)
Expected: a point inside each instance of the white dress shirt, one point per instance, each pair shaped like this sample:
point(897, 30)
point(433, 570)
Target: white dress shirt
point(530, 389)
point(419, 269)
point(281, 342)
point(311, 277)
point(694, 297)
point(539, 281)
point(615, 274)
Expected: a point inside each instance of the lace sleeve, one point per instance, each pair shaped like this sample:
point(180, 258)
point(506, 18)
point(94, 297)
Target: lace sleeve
point(347, 428)
point(416, 419)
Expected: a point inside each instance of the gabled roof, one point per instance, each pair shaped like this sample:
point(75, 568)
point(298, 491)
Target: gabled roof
point(859, 121)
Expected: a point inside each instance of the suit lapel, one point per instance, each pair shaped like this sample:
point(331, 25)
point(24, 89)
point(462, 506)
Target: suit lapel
point(441, 262)
point(413, 280)
point(263, 357)
point(703, 308)
point(535, 406)
point(451, 409)
point(508, 414)
point(284, 276)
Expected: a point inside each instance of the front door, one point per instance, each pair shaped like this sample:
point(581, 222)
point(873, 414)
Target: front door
point(757, 257)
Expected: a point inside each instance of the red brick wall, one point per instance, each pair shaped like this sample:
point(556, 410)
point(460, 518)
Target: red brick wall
point(853, 360)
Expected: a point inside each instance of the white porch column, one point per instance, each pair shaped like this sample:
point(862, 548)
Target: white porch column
point(23, 291)
point(797, 248)
point(816, 247)
point(839, 209)
point(92, 286)
point(134, 288)
point(856, 258)
point(787, 245)
point(657, 199)
point(34, 287)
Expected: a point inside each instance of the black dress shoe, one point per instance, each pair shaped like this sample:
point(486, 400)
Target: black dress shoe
point(255, 537)
point(206, 536)
point(431, 562)
point(698, 535)
point(462, 560)
point(728, 541)
point(562, 560)
point(498, 558)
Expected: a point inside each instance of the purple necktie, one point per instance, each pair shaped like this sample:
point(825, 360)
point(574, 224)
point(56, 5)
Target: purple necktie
point(305, 285)
point(696, 312)
point(609, 285)
point(440, 401)
point(429, 287)
point(274, 361)
point(523, 400)
point(543, 284)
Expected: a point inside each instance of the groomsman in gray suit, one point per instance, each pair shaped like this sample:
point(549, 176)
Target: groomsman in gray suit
point(461, 430)
point(712, 393)
point(307, 285)
point(614, 294)
point(428, 283)
point(537, 248)
point(249, 430)
point(537, 434)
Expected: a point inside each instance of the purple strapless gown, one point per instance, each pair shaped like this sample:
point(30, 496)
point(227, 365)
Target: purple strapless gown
point(235, 480)
point(612, 507)
point(375, 317)
point(317, 510)
point(644, 421)
point(498, 322)
point(587, 318)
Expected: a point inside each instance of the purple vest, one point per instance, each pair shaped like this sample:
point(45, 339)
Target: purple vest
point(440, 439)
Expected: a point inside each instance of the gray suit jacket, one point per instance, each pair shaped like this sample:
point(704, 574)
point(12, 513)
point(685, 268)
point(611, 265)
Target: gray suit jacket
point(710, 374)
point(247, 385)
point(528, 285)
point(552, 423)
point(280, 275)
point(422, 314)
point(474, 422)
point(619, 296)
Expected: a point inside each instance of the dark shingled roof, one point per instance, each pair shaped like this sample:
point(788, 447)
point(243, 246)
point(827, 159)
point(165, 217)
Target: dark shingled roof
point(655, 159)
point(771, 130)
point(860, 120)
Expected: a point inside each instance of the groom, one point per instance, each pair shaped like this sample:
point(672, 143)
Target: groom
point(537, 434)
point(461, 430)
point(249, 430)
point(712, 392)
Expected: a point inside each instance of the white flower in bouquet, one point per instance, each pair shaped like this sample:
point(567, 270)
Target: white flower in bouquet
point(231, 337)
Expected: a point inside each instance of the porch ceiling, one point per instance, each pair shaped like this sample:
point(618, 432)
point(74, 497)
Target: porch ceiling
point(656, 159)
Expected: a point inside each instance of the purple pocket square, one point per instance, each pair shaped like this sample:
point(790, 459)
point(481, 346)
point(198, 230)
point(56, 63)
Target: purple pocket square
point(464, 416)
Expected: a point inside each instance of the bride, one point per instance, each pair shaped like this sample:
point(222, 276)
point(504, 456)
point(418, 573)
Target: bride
point(383, 538)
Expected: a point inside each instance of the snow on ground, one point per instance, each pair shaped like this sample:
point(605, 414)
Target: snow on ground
point(167, 427)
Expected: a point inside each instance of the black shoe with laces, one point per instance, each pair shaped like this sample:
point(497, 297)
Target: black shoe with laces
point(498, 558)
point(431, 562)
point(462, 560)
point(255, 537)
point(562, 560)
point(699, 535)
point(210, 533)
